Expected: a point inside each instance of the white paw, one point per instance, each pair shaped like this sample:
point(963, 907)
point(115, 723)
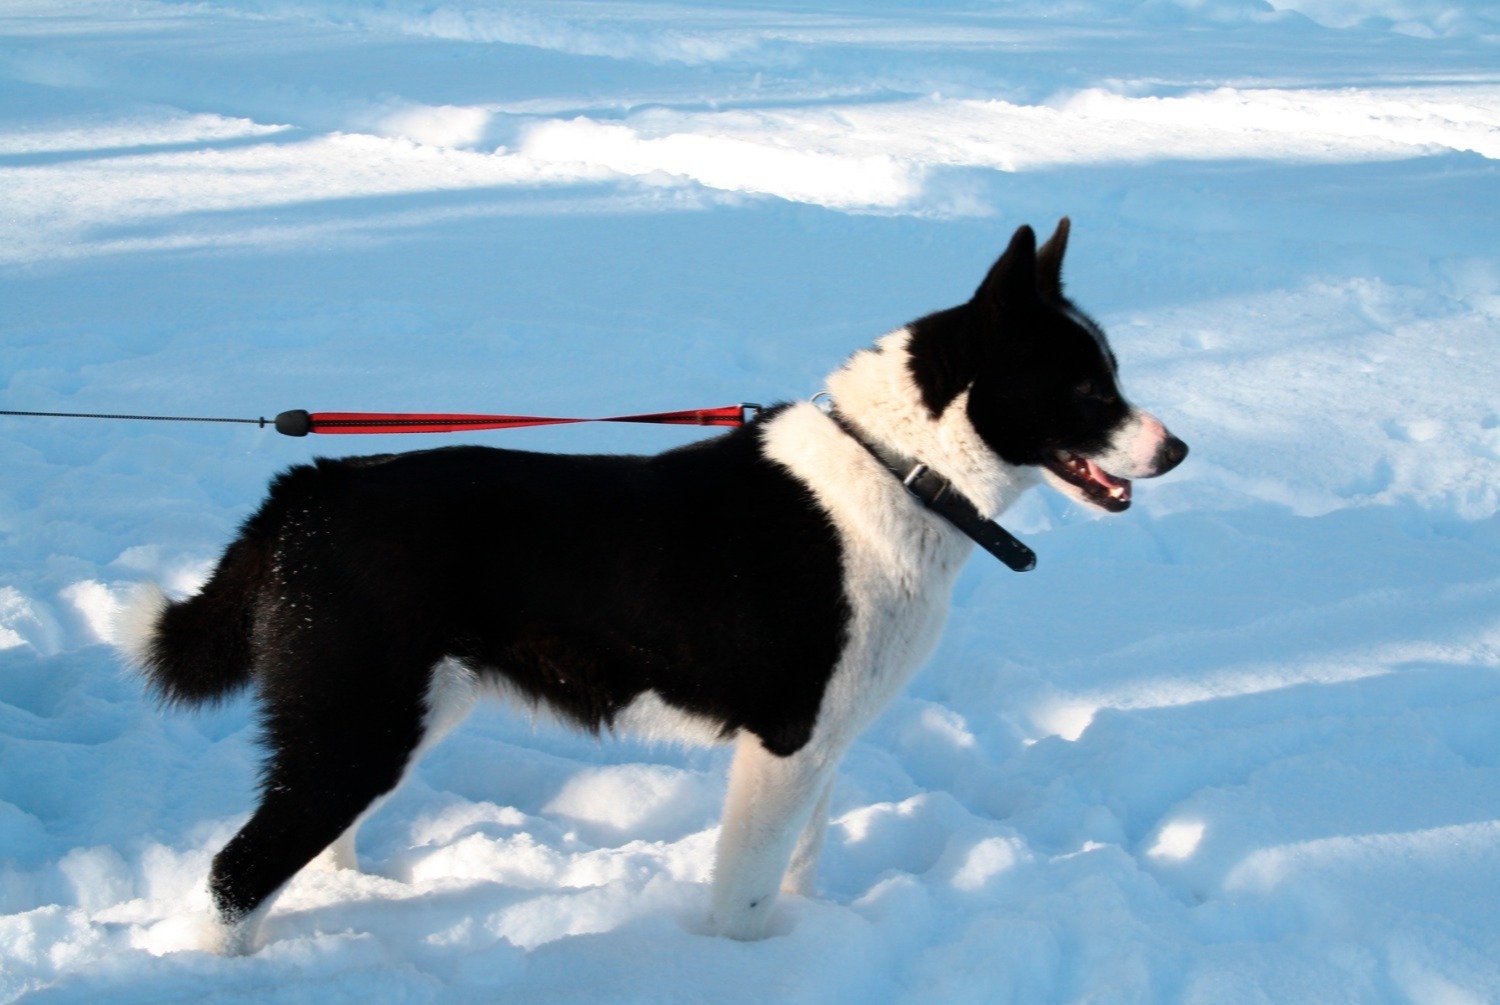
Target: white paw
point(199, 932)
point(746, 922)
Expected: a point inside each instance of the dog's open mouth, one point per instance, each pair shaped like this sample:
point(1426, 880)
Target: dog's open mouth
point(1098, 486)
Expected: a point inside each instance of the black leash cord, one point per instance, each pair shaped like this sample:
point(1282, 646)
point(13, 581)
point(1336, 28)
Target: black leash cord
point(147, 418)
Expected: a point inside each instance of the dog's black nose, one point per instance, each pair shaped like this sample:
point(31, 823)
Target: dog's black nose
point(1170, 454)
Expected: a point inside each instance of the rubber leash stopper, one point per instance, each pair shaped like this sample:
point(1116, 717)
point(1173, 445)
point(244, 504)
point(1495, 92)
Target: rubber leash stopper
point(296, 422)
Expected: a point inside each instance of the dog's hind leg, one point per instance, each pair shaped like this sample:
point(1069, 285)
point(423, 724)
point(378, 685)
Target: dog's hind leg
point(451, 695)
point(332, 755)
point(770, 805)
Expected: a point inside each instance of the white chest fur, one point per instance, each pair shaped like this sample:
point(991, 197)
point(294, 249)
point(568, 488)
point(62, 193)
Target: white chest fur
point(900, 562)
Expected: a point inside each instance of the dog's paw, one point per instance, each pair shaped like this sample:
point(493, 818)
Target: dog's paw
point(747, 922)
point(202, 932)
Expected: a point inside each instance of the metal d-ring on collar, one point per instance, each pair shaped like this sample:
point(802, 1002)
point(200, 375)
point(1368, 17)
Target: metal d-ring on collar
point(937, 494)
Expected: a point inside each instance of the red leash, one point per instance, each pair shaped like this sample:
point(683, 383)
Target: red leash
point(298, 422)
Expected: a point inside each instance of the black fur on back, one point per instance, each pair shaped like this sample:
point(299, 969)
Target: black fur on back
point(706, 574)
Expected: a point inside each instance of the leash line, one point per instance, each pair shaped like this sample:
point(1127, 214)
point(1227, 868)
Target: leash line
point(300, 422)
point(146, 418)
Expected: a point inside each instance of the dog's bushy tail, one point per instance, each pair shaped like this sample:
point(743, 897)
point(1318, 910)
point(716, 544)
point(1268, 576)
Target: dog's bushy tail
point(198, 650)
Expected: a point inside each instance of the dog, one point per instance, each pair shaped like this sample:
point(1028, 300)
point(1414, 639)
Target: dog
point(773, 587)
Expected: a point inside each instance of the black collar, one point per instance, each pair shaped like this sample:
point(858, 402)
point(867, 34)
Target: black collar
point(939, 495)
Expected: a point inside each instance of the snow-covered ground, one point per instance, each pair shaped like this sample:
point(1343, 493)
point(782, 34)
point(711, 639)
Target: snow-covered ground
point(1240, 744)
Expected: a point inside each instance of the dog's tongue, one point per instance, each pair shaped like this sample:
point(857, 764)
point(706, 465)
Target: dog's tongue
point(1099, 486)
point(1116, 488)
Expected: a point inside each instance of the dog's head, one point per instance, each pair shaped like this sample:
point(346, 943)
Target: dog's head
point(1043, 386)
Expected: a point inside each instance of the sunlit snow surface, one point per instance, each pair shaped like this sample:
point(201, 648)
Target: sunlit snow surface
point(1239, 744)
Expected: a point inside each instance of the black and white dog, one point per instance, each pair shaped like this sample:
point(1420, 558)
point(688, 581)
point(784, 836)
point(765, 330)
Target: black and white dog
point(774, 586)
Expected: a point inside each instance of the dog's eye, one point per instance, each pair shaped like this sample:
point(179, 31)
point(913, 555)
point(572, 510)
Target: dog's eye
point(1094, 392)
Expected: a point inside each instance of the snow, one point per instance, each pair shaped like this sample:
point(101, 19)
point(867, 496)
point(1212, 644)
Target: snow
point(1236, 745)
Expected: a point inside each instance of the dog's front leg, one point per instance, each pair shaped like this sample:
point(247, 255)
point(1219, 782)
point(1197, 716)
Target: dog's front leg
point(802, 873)
point(770, 803)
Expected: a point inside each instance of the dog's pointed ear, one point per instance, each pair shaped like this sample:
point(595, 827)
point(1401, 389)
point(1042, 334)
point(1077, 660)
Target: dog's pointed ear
point(1012, 279)
point(1049, 260)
